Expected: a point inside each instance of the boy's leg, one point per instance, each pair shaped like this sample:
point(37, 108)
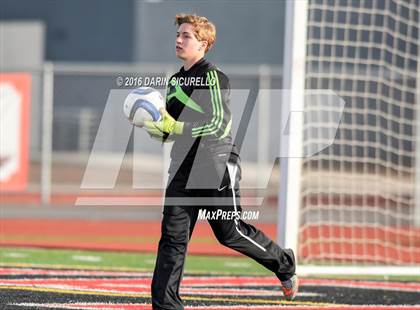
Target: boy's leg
point(252, 242)
point(177, 226)
point(247, 239)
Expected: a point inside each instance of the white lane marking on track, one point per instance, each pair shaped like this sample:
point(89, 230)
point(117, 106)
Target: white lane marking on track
point(87, 258)
point(14, 254)
point(237, 264)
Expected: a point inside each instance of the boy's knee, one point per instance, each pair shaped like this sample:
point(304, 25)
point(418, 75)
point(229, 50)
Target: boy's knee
point(226, 239)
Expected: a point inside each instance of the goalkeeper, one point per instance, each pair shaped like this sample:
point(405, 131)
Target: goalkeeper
point(204, 170)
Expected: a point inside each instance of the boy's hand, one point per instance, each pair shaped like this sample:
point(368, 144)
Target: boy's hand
point(154, 131)
point(167, 125)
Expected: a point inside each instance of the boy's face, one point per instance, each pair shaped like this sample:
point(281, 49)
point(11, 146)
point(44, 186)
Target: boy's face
point(187, 46)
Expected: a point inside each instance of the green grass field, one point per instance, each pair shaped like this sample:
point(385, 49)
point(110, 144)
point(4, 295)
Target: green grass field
point(125, 261)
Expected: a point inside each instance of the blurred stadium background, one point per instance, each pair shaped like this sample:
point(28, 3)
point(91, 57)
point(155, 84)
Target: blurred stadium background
point(356, 203)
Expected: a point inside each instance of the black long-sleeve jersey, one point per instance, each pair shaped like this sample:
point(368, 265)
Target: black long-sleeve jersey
point(199, 97)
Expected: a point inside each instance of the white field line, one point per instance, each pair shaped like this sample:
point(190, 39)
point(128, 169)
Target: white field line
point(87, 258)
point(14, 254)
point(237, 264)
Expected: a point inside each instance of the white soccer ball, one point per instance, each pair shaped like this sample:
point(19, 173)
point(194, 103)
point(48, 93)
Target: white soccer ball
point(143, 104)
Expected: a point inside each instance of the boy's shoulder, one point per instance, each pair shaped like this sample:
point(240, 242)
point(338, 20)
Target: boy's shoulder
point(213, 69)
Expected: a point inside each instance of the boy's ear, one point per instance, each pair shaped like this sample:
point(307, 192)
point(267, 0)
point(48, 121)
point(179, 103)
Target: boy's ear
point(204, 44)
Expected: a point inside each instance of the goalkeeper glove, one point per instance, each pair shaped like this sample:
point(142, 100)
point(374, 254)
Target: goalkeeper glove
point(166, 126)
point(155, 133)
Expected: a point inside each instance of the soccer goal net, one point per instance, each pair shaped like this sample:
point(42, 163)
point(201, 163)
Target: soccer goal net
point(360, 197)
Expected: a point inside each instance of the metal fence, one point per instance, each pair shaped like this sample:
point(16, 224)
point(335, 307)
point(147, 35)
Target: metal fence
point(67, 113)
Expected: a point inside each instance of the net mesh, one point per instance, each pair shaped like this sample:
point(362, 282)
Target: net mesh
point(360, 196)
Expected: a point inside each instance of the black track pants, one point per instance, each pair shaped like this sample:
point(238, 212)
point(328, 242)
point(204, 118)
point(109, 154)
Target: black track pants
point(177, 227)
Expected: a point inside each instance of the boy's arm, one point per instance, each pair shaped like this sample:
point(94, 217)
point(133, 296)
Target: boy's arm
point(214, 100)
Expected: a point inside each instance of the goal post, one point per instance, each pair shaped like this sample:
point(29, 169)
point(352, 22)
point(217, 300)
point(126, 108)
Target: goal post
point(291, 143)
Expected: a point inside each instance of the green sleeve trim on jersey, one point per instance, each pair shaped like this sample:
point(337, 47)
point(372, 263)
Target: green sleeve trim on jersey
point(198, 131)
point(217, 105)
point(218, 96)
point(183, 98)
point(227, 130)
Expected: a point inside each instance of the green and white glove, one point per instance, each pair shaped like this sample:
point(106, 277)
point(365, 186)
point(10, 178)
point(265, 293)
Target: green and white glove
point(167, 125)
point(155, 133)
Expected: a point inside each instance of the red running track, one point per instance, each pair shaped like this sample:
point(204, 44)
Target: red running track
point(106, 235)
point(322, 242)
